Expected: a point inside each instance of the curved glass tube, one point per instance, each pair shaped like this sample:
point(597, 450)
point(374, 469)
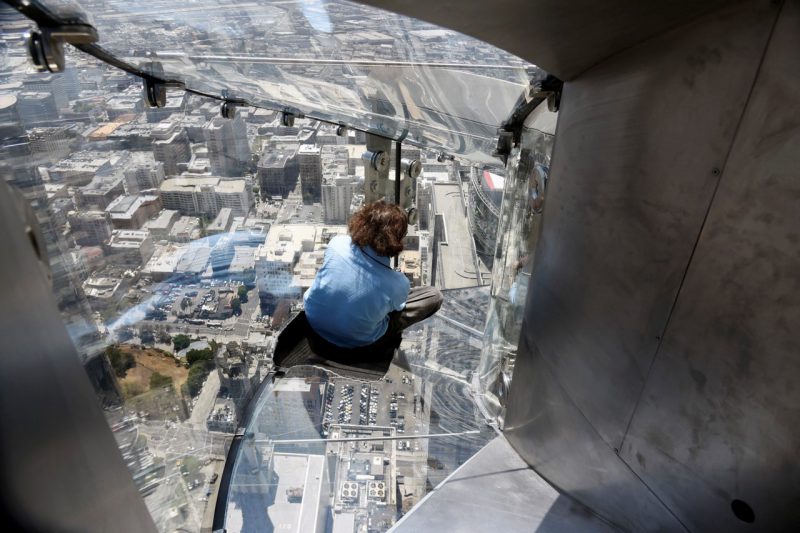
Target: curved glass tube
point(330, 59)
point(165, 228)
point(517, 237)
point(325, 449)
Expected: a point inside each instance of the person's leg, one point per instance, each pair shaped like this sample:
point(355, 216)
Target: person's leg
point(422, 302)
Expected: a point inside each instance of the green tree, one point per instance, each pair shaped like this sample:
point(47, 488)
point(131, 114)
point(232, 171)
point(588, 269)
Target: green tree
point(242, 293)
point(120, 361)
point(180, 342)
point(158, 381)
point(198, 372)
point(193, 356)
point(236, 305)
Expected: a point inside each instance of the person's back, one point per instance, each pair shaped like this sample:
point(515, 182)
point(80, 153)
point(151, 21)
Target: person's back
point(357, 298)
point(353, 294)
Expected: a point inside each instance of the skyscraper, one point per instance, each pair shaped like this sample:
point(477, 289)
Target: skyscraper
point(310, 160)
point(337, 194)
point(277, 171)
point(50, 84)
point(170, 146)
point(228, 149)
point(36, 108)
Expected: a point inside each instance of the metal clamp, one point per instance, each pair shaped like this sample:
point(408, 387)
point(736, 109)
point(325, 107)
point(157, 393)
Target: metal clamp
point(378, 160)
point(154, 87)
point(46, 44)
point(510, 132)
point(154, 92)
point(288, 118)
point(413, 215)
point(411, 167)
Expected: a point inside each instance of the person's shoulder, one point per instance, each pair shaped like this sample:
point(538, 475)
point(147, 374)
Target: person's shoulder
point(401, 280)
point(340, 243)
point(340, 240)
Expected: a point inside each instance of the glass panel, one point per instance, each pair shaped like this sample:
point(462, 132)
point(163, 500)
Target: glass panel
point(331, 59)
point(517, 237)
point(326, 451)
point(180, 243)
point(159, 224)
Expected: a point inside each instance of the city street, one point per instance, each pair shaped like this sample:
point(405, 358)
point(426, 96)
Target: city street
point(205, 401)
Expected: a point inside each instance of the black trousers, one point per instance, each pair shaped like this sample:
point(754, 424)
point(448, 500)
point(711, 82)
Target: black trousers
point(422, 302)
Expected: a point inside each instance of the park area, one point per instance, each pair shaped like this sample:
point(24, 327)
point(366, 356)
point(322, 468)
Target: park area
point(150, 380)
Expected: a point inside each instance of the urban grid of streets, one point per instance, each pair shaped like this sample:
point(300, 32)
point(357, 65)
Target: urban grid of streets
point(96, 114)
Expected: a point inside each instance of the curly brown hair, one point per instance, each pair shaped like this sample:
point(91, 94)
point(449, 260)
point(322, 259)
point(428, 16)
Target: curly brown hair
point(380, 225)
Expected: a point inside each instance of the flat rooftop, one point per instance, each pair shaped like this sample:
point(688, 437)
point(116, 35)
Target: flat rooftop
point(456, 263)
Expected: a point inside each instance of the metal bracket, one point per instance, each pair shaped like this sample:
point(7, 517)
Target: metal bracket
point(154, 92)
point(411, 167)
point(376, 167)
point(154, 88)
point(288, 117)
point(46, 44)
point(378, 161)
point(510, 133)
point(228, 107)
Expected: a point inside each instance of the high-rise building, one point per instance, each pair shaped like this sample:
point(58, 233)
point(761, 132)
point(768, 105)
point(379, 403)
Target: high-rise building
point(51, 84)
point(337, 195)
point(310, 161)
point(143, 173)
point(170, 146)
point(228, 148)
point(485, 197)
point(36, 108)
point(277, 171)
point(10, 124)
point(205, 196)
point(424, 190)
point(90, 228)
point(174, 104)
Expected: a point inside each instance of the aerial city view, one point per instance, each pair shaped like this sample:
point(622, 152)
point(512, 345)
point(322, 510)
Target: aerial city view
point(180, 243)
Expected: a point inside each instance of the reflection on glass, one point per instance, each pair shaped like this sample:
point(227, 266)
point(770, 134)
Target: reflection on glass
point(517, 236)
point(330, 59)
point(180, 243)
point(324, 451)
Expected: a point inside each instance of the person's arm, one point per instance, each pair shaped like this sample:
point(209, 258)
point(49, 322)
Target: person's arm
point(401, 296)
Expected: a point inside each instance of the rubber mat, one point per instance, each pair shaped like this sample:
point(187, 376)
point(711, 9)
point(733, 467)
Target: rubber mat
point(299, 345)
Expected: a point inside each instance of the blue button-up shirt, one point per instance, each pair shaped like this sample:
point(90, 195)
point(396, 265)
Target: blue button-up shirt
point(355, 290)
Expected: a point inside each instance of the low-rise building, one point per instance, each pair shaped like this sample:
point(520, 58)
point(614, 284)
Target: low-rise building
point(131, 212)
point(222, 223)
point(185, 229)
point(276, 259)
point(131, 248)
point(102, 288)
point(223, 416)
point(160, 226)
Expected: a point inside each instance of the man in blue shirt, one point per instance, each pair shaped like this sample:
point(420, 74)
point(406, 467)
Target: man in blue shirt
point(356, 298)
